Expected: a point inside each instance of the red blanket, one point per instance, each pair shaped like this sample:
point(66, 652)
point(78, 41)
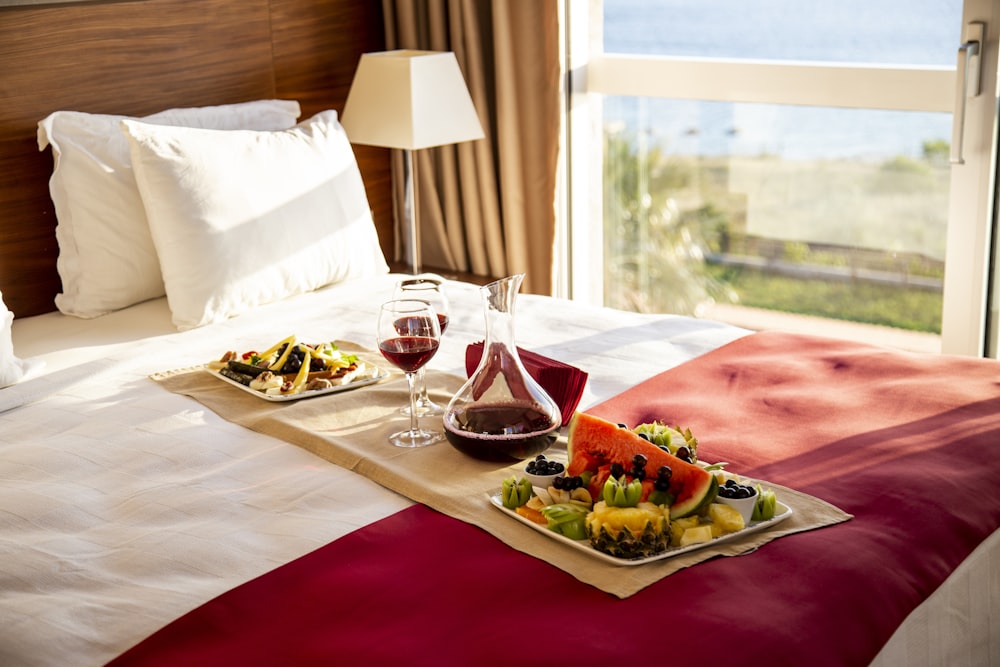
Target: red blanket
point(906, 443)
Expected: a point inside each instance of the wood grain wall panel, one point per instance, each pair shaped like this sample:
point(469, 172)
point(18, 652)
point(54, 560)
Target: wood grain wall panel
point(317, 46)
point(139, 57)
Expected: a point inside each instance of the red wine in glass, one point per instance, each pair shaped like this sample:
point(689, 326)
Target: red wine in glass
point(427, 288)
point(419, 326)
point(408, 335)
point(409, 353)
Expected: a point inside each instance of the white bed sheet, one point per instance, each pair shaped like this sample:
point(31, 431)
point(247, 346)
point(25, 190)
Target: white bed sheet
point(124, 506)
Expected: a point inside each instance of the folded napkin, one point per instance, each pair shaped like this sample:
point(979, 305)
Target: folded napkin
point(564, 383)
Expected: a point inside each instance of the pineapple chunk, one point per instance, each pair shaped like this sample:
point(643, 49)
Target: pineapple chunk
point(726, 517)
point(678, 526)
point(697, 535)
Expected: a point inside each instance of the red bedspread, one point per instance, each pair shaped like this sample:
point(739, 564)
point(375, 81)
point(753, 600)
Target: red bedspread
point(906, 443)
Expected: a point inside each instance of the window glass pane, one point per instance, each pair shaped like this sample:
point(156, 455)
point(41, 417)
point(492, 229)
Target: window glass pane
point(839, 213)
point(915, 32)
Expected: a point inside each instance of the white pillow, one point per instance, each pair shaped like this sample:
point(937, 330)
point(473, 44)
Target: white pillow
point(12, 369)
point(106, 256)
point(241, 218)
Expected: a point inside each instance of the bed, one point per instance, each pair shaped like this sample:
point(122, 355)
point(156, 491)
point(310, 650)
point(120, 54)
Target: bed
point(152, 514)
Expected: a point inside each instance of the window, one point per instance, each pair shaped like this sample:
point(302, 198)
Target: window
point(753, 158)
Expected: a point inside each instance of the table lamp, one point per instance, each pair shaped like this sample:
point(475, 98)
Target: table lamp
point(409, 100)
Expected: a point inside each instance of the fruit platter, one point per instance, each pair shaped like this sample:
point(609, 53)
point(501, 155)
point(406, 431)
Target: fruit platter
point(630, 496)
point(291, 370)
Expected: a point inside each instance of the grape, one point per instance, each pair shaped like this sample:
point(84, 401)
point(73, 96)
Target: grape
point(639, 461)
point(683, 454)
point(568, 483)
point(617, 470)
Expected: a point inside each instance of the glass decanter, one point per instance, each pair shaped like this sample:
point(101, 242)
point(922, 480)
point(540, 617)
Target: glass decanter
point(501, 413)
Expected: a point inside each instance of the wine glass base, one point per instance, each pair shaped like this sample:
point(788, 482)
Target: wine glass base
point(418, 438)
point(425, 408)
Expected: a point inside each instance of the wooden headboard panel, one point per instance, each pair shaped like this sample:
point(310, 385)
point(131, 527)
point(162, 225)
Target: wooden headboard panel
point(139, 57)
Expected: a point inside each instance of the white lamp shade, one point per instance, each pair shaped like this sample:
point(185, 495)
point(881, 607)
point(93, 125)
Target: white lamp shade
point(409, 99)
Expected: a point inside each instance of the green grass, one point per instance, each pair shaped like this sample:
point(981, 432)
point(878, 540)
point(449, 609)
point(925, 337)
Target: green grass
point(900, 307)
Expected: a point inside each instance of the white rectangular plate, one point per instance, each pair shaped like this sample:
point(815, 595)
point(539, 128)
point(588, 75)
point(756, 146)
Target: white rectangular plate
point(376, 375)
point(781, 512)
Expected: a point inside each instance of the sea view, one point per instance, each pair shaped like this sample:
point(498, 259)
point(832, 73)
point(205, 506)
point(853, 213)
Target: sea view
point(901, 32)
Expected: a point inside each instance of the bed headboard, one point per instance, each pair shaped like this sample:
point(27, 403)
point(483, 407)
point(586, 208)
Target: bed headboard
point(139, 57)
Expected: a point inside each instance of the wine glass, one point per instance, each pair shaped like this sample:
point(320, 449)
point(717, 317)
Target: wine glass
point(430, 289)
point(408, 334)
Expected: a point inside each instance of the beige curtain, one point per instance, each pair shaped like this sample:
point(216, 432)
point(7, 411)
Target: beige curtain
point(488, 207)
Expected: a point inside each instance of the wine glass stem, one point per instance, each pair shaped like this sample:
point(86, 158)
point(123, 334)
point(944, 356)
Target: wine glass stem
point(410, 380)
point(422, 385)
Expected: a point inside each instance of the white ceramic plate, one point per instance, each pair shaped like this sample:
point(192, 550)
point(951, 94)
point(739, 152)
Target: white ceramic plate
point(781, 512)
point(376, 374)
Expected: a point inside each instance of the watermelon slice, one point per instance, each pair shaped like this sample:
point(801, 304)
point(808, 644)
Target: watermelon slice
point(594, 444)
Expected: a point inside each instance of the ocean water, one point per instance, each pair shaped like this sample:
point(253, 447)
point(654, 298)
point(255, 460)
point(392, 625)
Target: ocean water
point(914, 32)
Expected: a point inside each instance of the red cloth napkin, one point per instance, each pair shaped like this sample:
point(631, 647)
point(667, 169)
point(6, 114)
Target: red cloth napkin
point(907, 443)
point(564, 383)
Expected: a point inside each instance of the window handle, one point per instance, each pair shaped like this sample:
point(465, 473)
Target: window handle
point(968, 69)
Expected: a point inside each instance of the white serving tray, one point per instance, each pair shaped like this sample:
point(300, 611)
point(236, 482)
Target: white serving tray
point(376, 374)
point(781, 512)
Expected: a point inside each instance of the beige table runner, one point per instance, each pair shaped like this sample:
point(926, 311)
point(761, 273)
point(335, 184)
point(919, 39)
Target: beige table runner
point(351, 429)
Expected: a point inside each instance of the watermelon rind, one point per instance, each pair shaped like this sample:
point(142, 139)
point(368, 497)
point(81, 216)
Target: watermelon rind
point(694, 505)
